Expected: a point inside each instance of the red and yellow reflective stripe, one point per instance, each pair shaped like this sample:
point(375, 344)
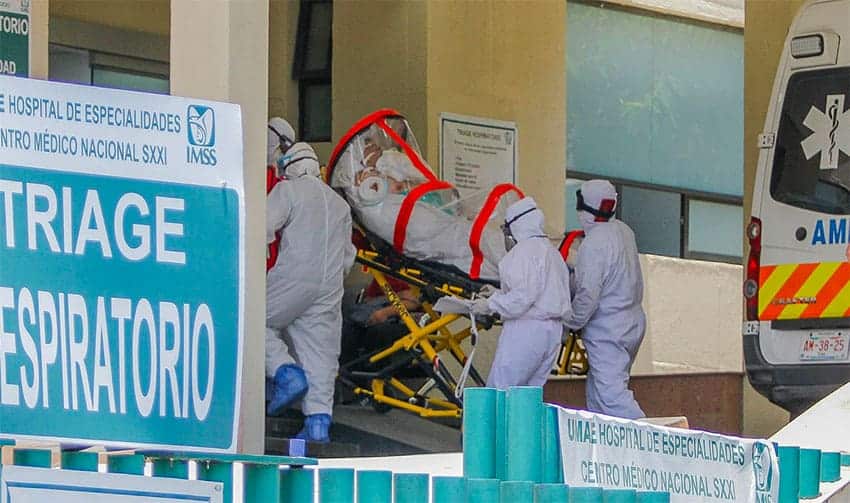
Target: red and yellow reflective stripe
point(799, 291)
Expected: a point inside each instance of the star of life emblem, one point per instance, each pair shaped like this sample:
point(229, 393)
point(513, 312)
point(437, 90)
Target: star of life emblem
point(830, 132)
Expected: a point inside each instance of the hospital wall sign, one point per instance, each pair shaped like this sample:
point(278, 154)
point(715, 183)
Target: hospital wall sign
point(15, 37)
point(599, 450)
point(477, 153)
point(121, 267)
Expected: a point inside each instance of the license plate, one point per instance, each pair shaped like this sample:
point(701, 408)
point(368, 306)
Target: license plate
point(825, 346)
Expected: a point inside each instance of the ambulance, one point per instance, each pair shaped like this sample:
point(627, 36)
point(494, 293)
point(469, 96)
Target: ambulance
point(796, 331)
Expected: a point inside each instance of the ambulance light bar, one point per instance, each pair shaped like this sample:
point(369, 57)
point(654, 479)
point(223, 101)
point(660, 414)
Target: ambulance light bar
point(807, 46)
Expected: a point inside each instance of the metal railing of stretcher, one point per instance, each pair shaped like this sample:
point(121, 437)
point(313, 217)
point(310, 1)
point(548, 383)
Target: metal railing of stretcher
point(425, 341)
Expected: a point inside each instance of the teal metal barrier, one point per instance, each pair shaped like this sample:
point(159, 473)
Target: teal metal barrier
point(128, 464)
point(652, 497)
point(619, 496)
point(551, 493)
point(37, 458)
point(524, 426)
point(170, 468)
point(483, 491)
point(218, 471)
point(297, 485)
point(336, 485)
point(830, 466)
point(516, 490)
point(553, 470)
point(374, 486)
point(76, 460)
point(809, 473)
point(479, 433)
point(448, 489)
point(586, 495)
point(501, 434)
point(789, 473)
point(411, 487)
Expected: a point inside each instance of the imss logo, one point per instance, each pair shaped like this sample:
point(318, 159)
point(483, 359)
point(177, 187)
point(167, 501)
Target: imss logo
point(763, 472)
point(201, 130)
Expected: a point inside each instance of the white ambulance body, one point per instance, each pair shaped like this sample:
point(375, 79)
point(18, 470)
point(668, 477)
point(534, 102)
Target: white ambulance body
point(797, 289)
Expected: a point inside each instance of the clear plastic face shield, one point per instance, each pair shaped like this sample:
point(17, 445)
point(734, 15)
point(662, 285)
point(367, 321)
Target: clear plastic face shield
point(383, 161)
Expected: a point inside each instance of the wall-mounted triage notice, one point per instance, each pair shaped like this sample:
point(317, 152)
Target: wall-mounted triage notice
point(477, 153)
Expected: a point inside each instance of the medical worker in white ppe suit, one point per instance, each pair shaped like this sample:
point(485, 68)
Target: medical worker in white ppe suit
point(607, 301)
point(304, 289)
point(533, 298)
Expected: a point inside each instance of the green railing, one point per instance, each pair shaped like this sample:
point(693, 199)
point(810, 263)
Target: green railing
point(511, 454)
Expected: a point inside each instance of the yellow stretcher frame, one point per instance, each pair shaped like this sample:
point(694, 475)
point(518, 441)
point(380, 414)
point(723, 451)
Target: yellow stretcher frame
point(572, 358)
point(429, 341)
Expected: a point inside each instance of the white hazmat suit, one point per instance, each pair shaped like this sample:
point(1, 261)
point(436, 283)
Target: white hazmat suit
point(304, 289)
point(607, 304)
point(533, 299)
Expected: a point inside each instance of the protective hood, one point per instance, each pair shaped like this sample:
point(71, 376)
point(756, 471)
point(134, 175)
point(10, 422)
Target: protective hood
point(380, 170)
point(597, 191)
point(278, 129)
point(598, 195)
point(300, 160)
point(526, 220)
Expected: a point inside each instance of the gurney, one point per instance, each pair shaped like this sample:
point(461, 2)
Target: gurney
point(423, 231)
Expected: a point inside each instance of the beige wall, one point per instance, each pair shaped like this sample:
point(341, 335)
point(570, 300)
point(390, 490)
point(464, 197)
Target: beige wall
point(39, 36)
point(506, 60)
point(148, 16)
point(379, 61)
point(502, 60)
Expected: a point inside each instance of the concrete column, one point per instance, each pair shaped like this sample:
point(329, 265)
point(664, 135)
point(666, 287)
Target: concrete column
point(219, 51)
point(39, 38)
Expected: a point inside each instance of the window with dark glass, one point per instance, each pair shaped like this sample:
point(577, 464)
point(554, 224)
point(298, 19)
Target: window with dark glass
point(312, 68)
point(811, 166)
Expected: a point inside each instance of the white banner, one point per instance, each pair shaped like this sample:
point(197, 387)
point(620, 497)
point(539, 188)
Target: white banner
point(36, 485)
point(692, 466)
point(477, 153)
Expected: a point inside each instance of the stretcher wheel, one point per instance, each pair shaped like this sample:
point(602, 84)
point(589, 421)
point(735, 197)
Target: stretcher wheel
point(381, 408)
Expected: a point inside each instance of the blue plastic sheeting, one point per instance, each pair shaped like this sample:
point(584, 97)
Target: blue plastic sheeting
point(654, 99)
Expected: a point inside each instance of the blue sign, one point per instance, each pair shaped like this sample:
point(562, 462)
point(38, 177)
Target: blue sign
point(120, 269)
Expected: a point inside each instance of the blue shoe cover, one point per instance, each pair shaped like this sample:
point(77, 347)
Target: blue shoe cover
point(289, 386)
point(316, 429)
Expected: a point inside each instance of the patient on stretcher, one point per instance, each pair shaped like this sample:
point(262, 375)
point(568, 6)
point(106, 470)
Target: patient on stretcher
point(395, 195)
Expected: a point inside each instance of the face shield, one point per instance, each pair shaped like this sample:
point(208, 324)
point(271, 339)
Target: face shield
point(378, 158)
point(379, 169)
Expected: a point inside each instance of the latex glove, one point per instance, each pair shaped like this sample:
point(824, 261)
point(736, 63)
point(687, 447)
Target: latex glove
point(487, 291)
point(481, 307)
